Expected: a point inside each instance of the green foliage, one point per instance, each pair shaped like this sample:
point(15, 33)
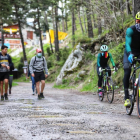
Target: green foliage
point(48, 51)
point(20, 68)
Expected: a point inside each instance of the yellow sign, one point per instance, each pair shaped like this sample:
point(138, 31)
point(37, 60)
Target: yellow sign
point(61, 36)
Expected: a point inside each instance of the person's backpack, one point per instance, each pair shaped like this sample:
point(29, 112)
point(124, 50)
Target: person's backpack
point(38, 61)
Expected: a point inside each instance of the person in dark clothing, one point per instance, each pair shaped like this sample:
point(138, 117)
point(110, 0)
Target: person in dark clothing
point(5, 64)
point(11, 77)
point(132, 49)
point(102, 63)
point(33, 82)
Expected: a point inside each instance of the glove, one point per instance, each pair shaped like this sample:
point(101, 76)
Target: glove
point(130, 58)
point(115, 68)
point(100, 69)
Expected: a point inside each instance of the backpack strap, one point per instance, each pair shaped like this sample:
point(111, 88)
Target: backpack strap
point(35, 60)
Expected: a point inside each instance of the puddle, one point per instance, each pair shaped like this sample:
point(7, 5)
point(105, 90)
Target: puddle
point(62, 124)
point(26, 101)
point(46, 116)
point(96, 113)
point(80, 132)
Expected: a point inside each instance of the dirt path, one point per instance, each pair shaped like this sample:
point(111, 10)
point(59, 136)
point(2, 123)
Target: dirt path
point(64, 115)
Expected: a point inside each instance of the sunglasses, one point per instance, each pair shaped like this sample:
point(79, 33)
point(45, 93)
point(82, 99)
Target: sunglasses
point(137, 21)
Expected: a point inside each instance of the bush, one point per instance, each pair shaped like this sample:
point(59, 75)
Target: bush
point(20, 68)
point(49, 51)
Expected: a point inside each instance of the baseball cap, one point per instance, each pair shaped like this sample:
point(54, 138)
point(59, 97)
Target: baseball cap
point(38, 50)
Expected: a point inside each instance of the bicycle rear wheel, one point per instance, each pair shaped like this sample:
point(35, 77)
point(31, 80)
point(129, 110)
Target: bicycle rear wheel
point(138, 99)
point(110, 90)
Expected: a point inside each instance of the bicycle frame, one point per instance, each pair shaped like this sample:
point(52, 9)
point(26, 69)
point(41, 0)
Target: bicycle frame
point(133, 82)
point(105, 76)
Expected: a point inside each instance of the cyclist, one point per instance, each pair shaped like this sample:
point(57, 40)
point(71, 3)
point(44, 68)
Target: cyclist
point(102, 63)
point(37, 66)
point(33, 82)
point(132, 48)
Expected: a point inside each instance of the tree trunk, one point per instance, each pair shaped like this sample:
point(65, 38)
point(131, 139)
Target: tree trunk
point(53, 22)
point(89, 22)
point(56, 35)
point(73, 30)
point(121, 5)
point(80, 20)
point(21, 36)
point(66, 17)
point(84, 20)
point(128, 11)
point(48, 31)
point(99, 26)
point(136, 7)
point(40, 32)
point(63, 22)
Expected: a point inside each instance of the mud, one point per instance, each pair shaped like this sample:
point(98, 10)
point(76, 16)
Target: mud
point(65, 115)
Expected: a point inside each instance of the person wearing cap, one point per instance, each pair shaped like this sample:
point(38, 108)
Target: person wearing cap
point(37, 67)
point(5, 64)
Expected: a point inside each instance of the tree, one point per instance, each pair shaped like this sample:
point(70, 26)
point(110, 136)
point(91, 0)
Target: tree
point(89, 22)
point(19, 16)
point(5, 13)
point(136, 7)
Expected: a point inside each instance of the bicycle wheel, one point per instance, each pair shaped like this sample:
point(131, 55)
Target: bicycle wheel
point(138, 99)
point(110, 90)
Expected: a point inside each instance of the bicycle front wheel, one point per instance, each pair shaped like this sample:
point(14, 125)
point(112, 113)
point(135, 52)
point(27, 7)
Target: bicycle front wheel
point(138, 99)
point(110, 90)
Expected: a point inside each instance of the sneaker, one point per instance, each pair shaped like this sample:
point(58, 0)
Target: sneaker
point(33, 93)
point(127, 103)
point(42, 96)
point(39, 97)
point(9, 91)
point(2, 98)
point(100, 94)
point(6, 96)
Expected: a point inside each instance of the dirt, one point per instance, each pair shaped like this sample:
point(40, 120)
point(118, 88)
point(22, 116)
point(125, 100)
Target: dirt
point(65, 115)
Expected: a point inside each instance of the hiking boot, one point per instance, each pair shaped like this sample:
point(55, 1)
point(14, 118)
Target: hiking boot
point(9, 91)
point(2, 98)
point(6, 96)
point(42, 96)
point(39, 97)
point(127, 103)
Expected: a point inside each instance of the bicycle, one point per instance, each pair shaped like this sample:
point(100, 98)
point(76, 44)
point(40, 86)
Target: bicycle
point(135, 84)
point(107, 86)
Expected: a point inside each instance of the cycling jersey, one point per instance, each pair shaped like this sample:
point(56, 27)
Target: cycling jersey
point(102, 60)
point(132, 40)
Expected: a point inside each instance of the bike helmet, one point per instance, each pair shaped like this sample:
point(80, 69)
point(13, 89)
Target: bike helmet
point(138, 16)
point(104, 48)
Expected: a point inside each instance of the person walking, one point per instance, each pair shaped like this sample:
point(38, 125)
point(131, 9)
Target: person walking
point(37, 66)
point(5, 64)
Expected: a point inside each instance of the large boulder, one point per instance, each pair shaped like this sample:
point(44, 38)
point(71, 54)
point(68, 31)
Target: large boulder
point(81, 74)
point(97, 47)
point(71, 64)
